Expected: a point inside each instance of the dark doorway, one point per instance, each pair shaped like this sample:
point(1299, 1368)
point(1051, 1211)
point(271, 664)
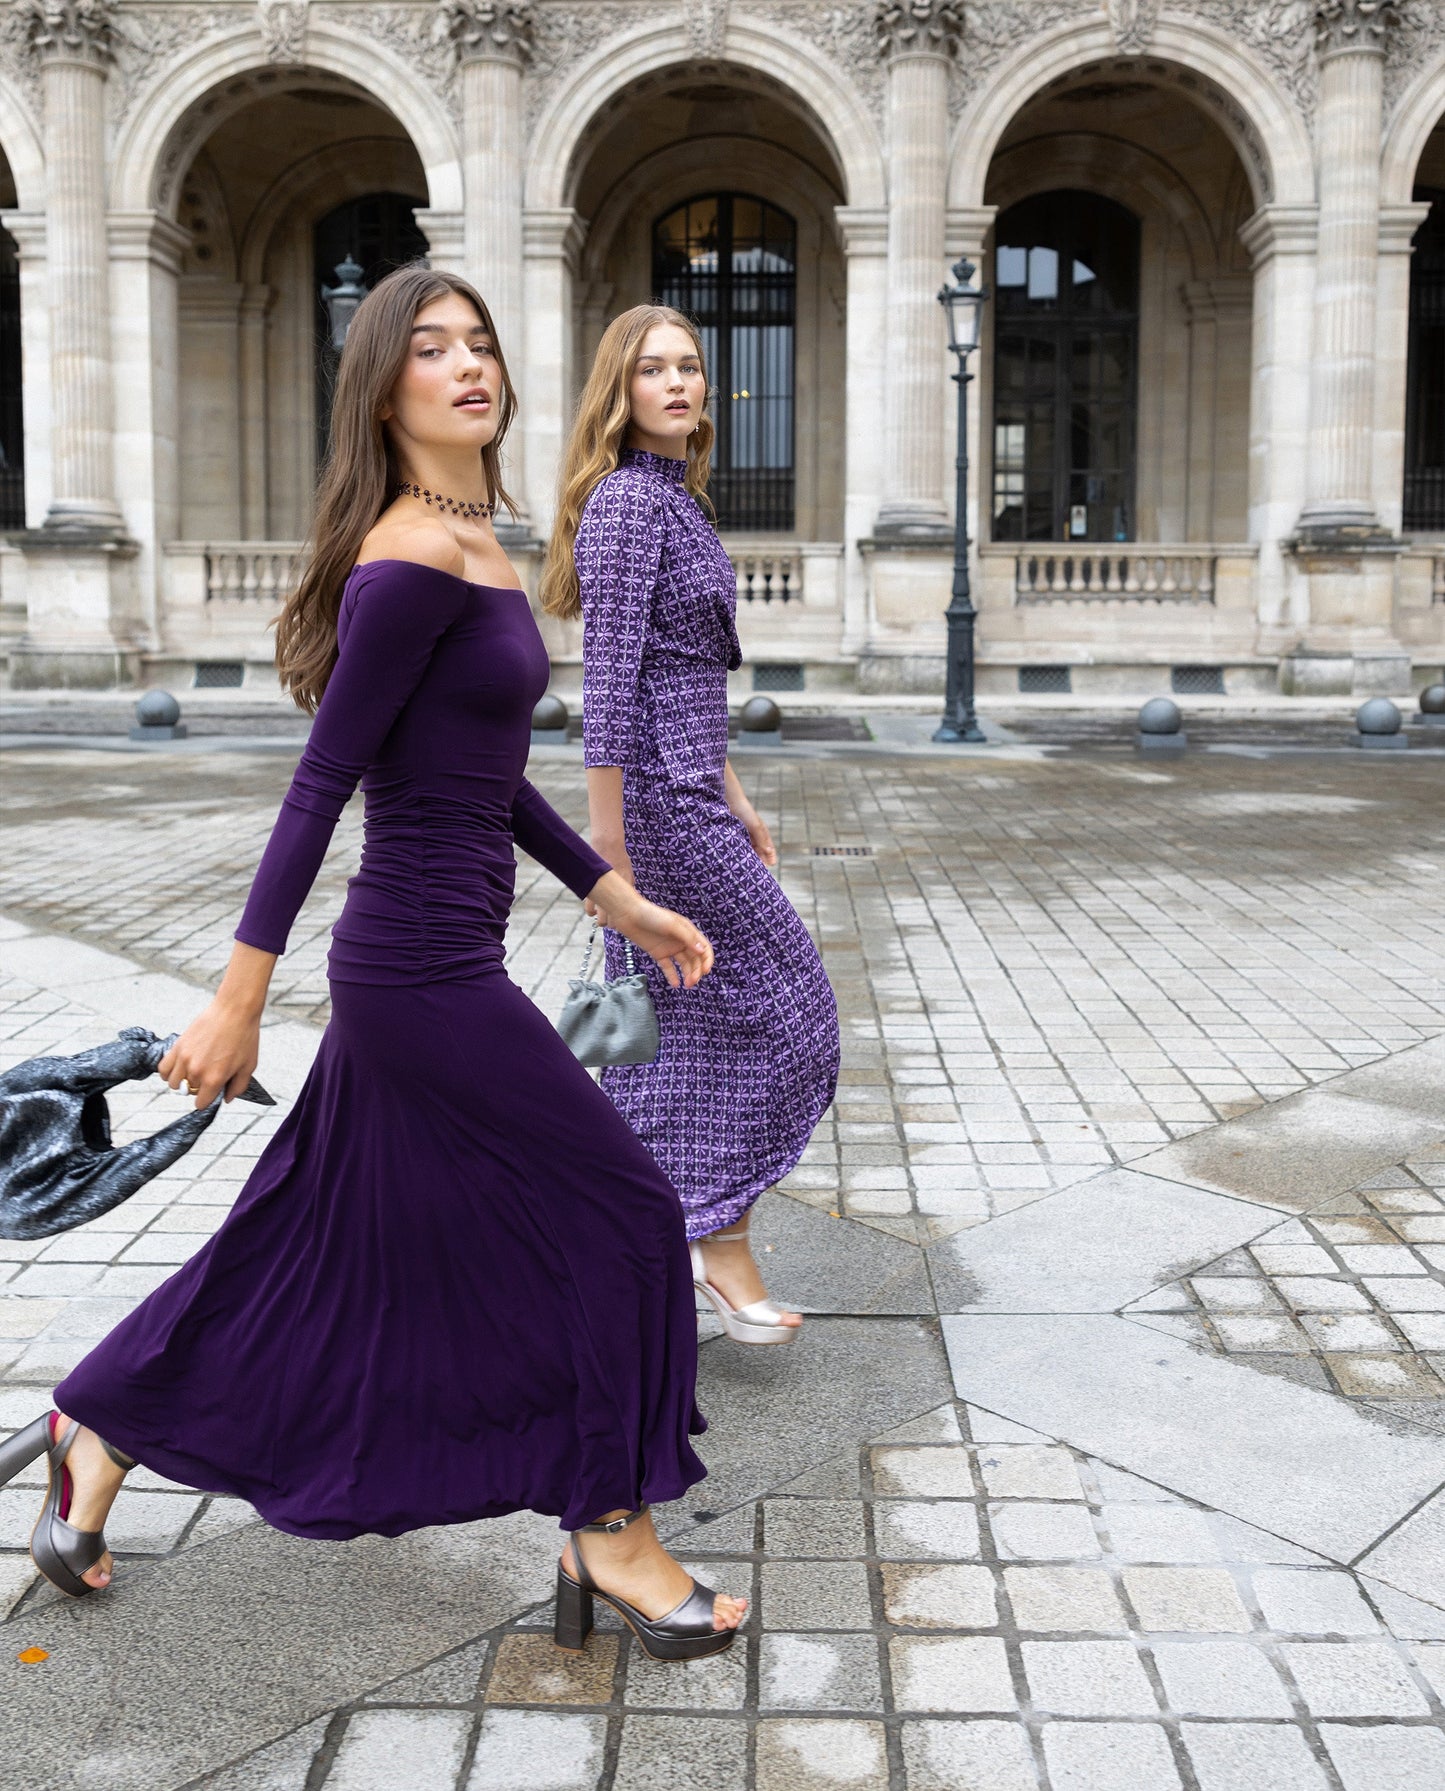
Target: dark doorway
point(1424, 510)
point(380, 231)
point(730, 262)
point(12, 410)
point(1066, 335)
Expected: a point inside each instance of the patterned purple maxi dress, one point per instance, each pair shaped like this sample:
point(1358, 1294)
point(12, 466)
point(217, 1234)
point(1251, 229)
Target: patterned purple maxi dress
point(749, 1058)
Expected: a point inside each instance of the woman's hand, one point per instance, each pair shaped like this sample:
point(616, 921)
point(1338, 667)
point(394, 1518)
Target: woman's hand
point(218, 1052)
point(757, 828)
point(675, 945)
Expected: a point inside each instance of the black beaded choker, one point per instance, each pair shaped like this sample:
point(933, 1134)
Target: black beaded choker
point(454, 506)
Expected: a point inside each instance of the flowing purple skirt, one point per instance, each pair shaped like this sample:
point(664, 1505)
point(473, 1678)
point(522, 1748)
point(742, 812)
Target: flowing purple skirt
point(454, 1286)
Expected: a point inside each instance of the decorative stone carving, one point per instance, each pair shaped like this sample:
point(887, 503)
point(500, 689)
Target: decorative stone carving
point(494, 30)
point(19, 61)
point(918, 27)
point(1133, 22)
point(75, 30)
point(995, 28)
point(707, 26)
point(1416, 43)
point(146, 41)
point(1277, 32)
point(1353, 24)
point(563, 36)
point(844, 34)
point(283, 29)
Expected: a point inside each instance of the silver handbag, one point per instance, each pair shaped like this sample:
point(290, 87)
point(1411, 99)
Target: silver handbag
point(610, 1023)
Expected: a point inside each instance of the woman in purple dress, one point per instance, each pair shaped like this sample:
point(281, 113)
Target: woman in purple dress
point(456, 1284)
point(749, 1060)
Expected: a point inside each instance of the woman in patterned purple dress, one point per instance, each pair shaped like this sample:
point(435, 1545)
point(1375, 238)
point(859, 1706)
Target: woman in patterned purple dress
point(749, 1060)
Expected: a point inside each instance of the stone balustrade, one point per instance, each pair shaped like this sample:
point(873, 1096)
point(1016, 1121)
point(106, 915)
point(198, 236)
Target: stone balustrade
point(1054, 572)
point(768, 574)
point(259, 572)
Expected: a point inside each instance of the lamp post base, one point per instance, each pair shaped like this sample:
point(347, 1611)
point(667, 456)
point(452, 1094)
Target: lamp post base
point(950, 733)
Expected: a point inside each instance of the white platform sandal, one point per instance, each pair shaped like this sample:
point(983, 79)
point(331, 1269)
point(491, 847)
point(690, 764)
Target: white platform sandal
point(761, 1322)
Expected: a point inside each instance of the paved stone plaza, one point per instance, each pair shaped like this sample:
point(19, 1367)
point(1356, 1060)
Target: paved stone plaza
point(1112, 1457)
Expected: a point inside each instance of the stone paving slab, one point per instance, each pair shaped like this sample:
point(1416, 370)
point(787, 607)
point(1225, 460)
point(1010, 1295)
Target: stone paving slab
point(1095, 1622)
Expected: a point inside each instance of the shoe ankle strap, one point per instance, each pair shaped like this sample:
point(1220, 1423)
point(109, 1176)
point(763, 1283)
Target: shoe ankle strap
point(616, 1524)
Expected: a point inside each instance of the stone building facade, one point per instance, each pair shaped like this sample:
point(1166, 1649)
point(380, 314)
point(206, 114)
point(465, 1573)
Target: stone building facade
point(1207, 427)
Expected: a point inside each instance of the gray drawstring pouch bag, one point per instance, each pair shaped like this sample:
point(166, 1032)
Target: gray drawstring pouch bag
point(610, 1023)
point(58, 1166)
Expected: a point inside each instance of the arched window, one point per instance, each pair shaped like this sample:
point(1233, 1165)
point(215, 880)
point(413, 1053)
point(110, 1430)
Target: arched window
point(1425, 379)
point(380, 231)
point(730, 261)
point(1066, 328)
point(12, 419)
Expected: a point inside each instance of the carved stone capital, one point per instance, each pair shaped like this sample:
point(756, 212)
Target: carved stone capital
point(1354, 24)
point(490, 30)
point(918, 27)
point(71, 30)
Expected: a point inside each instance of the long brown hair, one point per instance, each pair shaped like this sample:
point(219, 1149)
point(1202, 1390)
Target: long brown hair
point(360, 474)
point(603, 413)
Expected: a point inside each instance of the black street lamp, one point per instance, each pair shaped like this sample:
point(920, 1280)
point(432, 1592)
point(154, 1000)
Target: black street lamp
point(962, 303)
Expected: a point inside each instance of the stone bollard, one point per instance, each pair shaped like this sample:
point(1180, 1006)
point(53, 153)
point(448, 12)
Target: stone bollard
point(158, 717)
point(1160, 727)
point(760, 723)
point(1377, 726)
point(1432, 706)
point(549, 722)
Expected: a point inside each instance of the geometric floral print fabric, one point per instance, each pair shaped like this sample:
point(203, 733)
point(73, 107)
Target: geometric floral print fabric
point(749, 1058)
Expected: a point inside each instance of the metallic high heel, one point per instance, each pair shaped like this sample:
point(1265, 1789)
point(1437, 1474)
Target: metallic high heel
point(761, 1322)
point(685, 1633)
point(58, 1549)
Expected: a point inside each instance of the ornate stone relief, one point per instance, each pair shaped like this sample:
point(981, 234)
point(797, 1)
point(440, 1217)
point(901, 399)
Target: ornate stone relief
point(845, 35)
point(707, 26)
point(19, 61)
point(490, 29)
point(148, 39)
point(1417, 42)
point(911, 27)
point(994, 28)
point(1353, 24)
point(1132, 22)
point(564, 35)
point(283, 29)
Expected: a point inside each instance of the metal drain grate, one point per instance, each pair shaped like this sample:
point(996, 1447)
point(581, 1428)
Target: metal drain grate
point(220, 674)
point(842, 851)
point(1037, 680)
point(1197, 680)
point(777, 676)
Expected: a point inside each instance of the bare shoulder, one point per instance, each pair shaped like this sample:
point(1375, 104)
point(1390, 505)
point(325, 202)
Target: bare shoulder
point(424, 540)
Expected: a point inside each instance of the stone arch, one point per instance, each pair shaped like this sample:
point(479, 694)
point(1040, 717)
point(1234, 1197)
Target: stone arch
point(1265, 130)
point(1421, 109)
point(836, 108)
point(330, 175)
point(155, 143)
point(1125, 173)
point(20, 140)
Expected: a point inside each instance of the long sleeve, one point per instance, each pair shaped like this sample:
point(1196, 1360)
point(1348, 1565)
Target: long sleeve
point(618, 554)
point(542, 833)
point(399, 612)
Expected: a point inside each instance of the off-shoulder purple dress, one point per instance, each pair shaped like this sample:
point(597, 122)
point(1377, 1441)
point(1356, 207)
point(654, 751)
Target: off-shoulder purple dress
point(749, 1058)
point(456, 1284)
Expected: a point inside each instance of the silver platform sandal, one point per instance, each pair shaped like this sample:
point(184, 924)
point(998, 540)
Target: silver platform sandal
point(58, 1549)
point(760, 1322)
point(685, 1633)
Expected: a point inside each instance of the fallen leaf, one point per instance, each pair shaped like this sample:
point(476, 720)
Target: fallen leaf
point(29, 1657)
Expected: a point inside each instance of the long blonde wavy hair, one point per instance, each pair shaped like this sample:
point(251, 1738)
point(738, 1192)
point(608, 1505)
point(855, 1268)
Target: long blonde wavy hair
point(598, 431)
point(360, 475)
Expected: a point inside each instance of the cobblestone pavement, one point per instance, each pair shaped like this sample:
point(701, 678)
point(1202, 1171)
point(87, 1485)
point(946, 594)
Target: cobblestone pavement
point(1120, 1042)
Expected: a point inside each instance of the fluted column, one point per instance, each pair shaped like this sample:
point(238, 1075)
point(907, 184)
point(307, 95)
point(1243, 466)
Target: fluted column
point(918, 38)
point(1351, 37)
point(864, 231)
point(72, 39)
point(493, 40)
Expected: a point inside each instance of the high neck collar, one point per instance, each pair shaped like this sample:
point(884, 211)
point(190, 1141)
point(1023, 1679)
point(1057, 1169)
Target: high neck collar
point(662, 464)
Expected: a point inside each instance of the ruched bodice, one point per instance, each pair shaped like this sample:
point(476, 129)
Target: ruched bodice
point(429, 708)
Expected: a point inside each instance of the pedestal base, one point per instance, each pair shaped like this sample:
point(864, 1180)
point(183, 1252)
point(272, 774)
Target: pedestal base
point(81, 629)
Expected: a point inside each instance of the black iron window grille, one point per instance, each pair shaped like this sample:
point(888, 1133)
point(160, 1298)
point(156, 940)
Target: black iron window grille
point(381, 232)
point(12, 414)
point(729, 261)
point(1066, 330)
point(1424, 508)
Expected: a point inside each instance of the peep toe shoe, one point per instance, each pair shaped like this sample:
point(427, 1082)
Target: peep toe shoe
point(684, 1633)
point(58, 1549)
point(759, 1322)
